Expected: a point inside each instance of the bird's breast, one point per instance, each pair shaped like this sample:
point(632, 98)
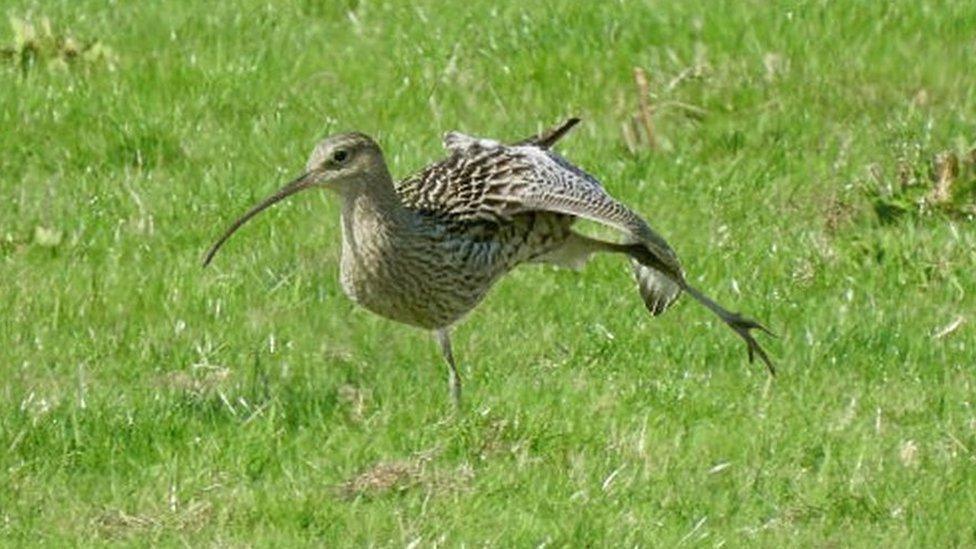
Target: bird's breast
point(425, 278)
point(431, 274)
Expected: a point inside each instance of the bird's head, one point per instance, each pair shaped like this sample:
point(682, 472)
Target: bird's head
point(345, 163)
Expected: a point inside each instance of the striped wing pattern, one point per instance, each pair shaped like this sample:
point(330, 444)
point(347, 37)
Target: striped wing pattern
point(483, 180)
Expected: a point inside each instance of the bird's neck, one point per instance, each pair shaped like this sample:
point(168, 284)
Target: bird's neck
point(374, 204)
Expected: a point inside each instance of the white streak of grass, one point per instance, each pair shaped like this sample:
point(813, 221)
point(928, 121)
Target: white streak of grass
point(719, 467)
point(608, 482)
point(698, 525)
point(81, 386)
point(949, 328)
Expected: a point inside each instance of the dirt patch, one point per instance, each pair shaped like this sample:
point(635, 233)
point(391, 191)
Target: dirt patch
point(416, 472)
point(119, 524)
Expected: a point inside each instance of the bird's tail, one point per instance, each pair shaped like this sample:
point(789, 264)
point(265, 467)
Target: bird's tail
point(656, 289)
point(657, 270)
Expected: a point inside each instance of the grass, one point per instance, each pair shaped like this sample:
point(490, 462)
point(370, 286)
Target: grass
point(145, 401)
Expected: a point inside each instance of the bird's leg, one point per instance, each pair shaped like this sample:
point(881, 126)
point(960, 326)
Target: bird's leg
point(581, 246)
point(741, 325)
point(454, 379)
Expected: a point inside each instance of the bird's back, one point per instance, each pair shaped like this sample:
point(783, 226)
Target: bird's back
point(465, 193)
point(460, 196)
point(481, 179)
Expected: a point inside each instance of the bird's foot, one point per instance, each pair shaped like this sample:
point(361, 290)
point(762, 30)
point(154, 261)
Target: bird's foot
point(743, 327)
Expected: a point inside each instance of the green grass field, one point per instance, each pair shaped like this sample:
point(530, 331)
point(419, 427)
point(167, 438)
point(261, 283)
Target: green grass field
point(144, 400)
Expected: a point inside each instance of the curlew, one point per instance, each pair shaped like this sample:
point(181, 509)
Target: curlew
point(426, 250)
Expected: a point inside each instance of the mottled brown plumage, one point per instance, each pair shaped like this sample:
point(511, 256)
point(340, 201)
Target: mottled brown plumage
point(426, 250)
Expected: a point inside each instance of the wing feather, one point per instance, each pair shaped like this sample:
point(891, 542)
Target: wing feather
point(484, 180)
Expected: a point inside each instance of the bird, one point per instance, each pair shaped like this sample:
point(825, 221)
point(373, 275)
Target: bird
point(425, 250)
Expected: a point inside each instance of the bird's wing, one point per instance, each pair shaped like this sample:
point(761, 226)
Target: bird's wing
point(510, 180)
point(484, 180)
point(547, 138)
point(543, 140)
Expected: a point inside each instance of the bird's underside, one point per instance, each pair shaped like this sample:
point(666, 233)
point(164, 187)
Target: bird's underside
point(524, 198)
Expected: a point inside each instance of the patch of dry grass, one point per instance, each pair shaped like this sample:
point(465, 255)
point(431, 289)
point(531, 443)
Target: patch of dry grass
point(417, 472)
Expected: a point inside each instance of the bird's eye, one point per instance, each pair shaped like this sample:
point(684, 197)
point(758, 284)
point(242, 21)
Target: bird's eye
point(340, 156)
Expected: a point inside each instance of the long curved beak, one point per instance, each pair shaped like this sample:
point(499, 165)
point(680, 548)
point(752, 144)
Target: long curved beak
point(303, 182)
